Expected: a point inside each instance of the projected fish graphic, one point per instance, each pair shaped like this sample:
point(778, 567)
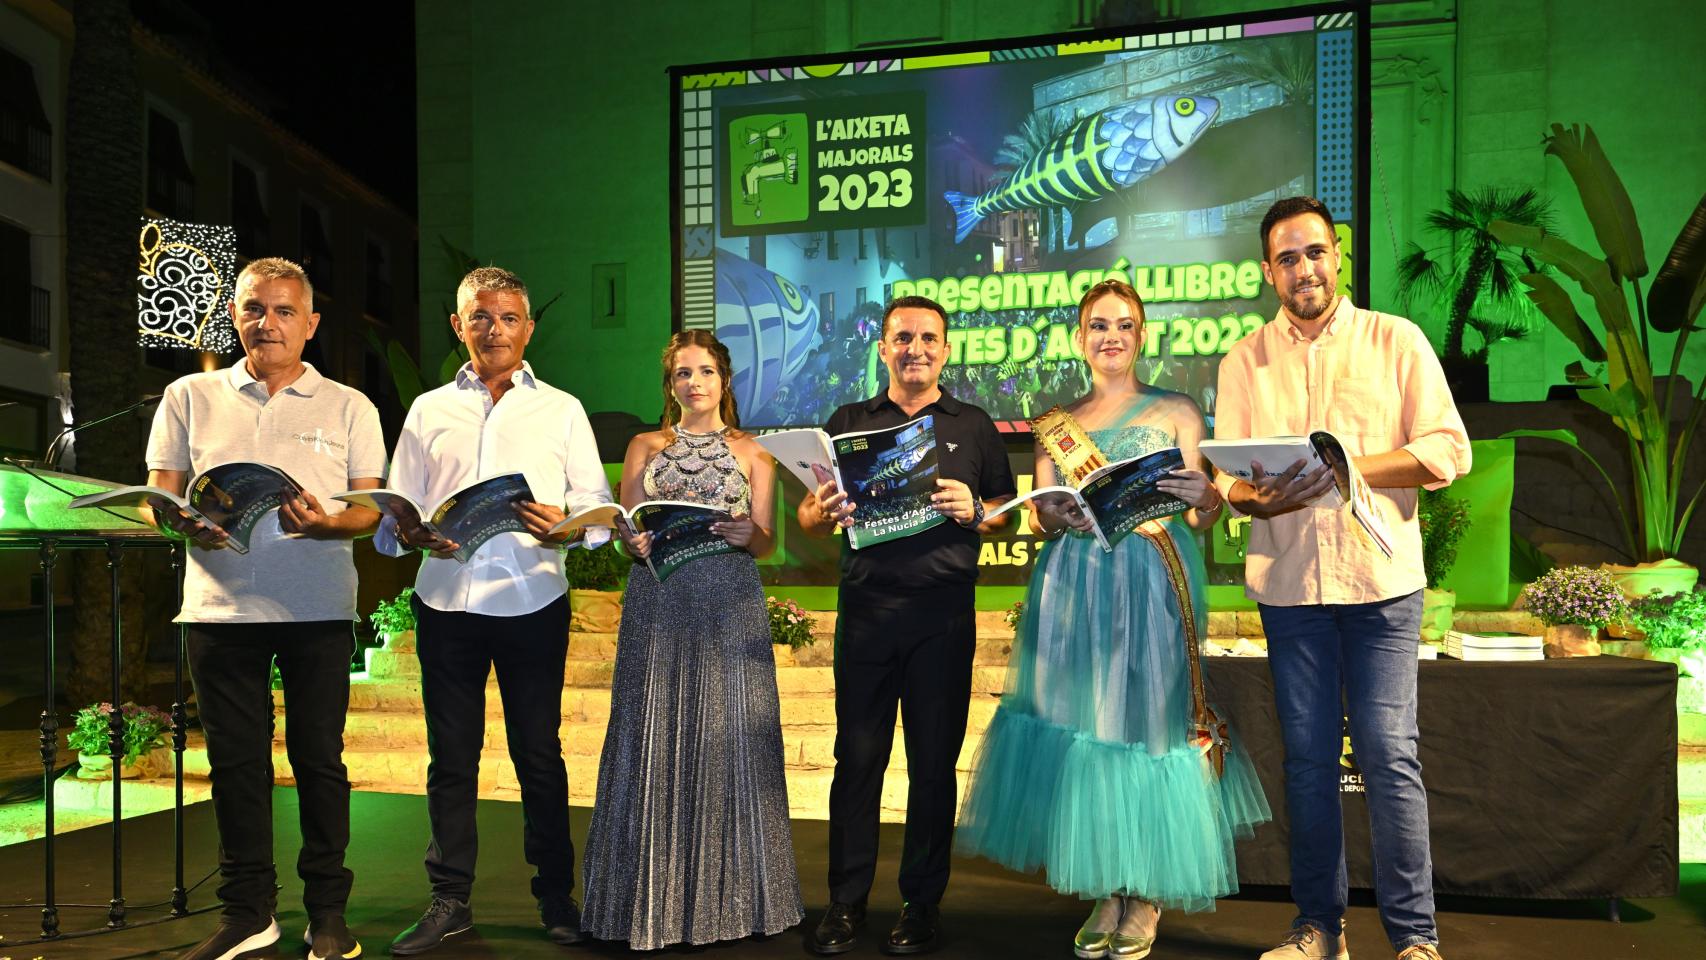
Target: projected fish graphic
point(1096, 156)
point(769, 327)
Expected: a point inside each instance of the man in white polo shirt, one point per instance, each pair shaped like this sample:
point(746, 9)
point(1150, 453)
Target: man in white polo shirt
point(506, 609)
point(291, 597)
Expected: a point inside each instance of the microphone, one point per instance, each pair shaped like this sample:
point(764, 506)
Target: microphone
point(50, 459)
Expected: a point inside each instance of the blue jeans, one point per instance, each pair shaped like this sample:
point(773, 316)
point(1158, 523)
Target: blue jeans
point(1367, 650)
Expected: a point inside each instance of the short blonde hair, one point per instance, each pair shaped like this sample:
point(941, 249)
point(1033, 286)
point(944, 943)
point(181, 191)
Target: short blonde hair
point(277, 268)
point(481, 279)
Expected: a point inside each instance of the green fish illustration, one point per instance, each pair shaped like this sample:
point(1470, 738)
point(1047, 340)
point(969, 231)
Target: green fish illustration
point(1097, 155)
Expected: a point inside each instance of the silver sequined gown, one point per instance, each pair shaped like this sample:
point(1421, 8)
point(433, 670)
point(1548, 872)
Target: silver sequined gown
point(690, 840)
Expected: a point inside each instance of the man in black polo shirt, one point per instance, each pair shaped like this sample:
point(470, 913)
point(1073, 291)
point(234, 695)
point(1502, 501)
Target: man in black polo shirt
point(905, 633)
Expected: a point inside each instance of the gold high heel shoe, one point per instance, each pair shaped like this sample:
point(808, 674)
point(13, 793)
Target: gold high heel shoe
point(1091, 944)
point(1129, 947)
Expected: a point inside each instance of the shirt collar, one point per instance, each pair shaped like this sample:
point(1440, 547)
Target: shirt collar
point(306, 385)
point(944, 403)
point(1340, 316)
point(523, 377)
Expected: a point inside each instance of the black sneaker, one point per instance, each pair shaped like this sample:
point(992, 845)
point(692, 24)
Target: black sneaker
point(444, 918)
point(330, 939)
point(236, 938)
point(562, 919)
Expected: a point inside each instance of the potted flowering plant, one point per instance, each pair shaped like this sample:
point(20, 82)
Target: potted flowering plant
point(789, 624)
point(1574, 602)
point(145, 730)
point(1012, 616)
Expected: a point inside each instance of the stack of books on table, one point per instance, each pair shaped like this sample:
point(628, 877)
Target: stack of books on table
point(1493, 646)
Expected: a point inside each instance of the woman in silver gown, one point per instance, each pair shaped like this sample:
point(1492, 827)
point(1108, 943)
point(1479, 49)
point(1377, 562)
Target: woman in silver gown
point(690, 840)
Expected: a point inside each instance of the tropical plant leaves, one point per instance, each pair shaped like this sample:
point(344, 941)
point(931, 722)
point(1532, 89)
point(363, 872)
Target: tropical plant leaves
point(1629, 359)
point(447, 367)
point(1555, 303)
point(1679, 288)
point(404, 373)
point(1603, 197)
point(1562, 436)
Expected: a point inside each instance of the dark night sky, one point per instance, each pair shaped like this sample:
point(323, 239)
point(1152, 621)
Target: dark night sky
point(341, 76)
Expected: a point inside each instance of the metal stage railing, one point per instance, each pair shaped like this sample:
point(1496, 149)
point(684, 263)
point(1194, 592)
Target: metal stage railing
point(50, 543)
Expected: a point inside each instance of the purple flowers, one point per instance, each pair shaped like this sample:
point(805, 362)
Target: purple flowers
point(1578, 595)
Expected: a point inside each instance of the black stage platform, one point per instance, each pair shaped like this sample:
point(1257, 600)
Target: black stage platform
point(989, 912)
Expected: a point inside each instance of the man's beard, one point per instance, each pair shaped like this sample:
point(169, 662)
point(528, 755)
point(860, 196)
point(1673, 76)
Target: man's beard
point(1311, 311)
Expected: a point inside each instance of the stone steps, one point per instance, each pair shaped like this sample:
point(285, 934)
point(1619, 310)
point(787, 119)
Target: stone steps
point(139, 796)
point(1691, 773)
point(1691, 830)
point(389, 770)
point(385, 734)
point(805, 744)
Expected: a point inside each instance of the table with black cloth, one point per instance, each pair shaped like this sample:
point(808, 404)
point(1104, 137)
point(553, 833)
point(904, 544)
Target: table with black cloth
point(1552, 779)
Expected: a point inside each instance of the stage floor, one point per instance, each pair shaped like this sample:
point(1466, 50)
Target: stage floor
point(989, 912)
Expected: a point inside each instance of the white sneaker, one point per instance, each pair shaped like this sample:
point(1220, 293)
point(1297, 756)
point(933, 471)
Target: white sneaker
point(233, 939)
point(1309, 942)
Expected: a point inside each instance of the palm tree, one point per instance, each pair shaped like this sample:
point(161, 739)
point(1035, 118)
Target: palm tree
point(1287, 63)
point(1035, 133)
point(1476, 274)
point(103, 203)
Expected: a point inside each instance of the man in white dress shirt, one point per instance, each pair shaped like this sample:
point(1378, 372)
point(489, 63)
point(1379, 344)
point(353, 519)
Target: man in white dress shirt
point(507, 607)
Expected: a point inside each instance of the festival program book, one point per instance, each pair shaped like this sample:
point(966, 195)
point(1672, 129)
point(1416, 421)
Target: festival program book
point(1319, 449)
point(889, 474)
point(469, 517)
point(681, 532)
point(1119, 497)
point(232, 496)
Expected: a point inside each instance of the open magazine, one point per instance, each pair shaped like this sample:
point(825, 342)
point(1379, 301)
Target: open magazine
point(469, 517)
point(1319, 449)
point(889, 474)
point(232, 496)
point(1119, 497)
point(681, 531)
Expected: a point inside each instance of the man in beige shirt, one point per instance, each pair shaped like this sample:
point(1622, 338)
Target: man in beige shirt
point(1339, 615)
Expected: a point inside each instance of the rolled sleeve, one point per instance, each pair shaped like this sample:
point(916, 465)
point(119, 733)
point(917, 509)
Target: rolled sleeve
point(1231, 418)
point(1433, 429)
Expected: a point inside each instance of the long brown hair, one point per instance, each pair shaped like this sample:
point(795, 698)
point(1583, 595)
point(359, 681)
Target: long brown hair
point(720, 354)
point(1116, 287)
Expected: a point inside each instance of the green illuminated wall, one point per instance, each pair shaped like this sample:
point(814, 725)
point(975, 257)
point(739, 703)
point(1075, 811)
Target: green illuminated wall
point(543, 139)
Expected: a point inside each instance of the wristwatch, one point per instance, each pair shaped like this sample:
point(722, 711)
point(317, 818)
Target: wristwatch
point(976, 513)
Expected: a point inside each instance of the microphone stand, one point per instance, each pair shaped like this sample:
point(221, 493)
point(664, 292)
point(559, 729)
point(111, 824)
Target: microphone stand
point(50, 459)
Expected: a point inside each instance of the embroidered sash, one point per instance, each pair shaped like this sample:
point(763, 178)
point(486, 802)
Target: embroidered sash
point(1075, 456)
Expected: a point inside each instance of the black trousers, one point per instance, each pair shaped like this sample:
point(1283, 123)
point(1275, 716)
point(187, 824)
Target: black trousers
point(920, 660)
point(457, 651)
point(231, 667)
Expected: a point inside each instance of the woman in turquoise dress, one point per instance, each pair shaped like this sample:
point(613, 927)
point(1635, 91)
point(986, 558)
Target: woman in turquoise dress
point(1091, 769)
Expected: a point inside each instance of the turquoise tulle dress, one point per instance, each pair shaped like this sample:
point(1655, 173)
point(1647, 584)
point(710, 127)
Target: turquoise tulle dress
point(1086, 770)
